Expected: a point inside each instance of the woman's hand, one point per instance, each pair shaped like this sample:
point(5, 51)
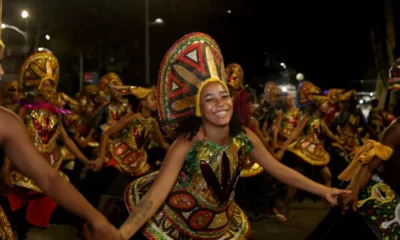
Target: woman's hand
point(331, 194)
point(97, 164)
point(349, 200)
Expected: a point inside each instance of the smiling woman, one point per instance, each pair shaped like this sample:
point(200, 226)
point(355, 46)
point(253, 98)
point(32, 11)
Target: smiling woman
point(192, 196)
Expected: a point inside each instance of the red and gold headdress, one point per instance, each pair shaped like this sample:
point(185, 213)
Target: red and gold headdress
point(108, 80)
point(308, 94)
point(191, 63)
point(272, 92)
point(138, 92)
point(234, 76)
point(36, 69)
point(394, 77)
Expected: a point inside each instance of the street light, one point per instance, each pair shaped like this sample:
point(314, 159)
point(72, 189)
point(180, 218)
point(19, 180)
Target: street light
point(48, 37)
point(157, 22)
point(300, 77)
point(24, 14)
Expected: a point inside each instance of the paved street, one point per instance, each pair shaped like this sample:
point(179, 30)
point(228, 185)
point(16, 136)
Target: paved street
point(306, 216)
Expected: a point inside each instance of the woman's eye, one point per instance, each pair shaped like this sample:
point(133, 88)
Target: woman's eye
point(209, 99)
point(225, 96)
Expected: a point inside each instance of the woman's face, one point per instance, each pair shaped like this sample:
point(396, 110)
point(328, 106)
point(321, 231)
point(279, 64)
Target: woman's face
point(324, 107)
point(47, 90)
point(150, 102)
point(215, 104)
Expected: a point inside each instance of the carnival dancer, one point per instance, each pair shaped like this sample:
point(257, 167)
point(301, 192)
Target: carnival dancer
point(39, 77)
point(309, 147)
point(17, 145)
point(9, 95)
point(192, 195)
point(116, 109)
point(375, 194)
point(90, 103)
point(127, 154)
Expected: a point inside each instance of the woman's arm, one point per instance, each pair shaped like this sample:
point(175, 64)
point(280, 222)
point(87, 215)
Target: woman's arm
point(18, 146)
point(287, 175)
point(160, 189)
point(72, 147)
point(390, 138)
point(157, 135)
point(119, 126)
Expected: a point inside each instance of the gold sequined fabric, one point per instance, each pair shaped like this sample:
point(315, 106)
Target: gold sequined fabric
point(130, 150)
point(289, 122)
point(37, 68)
point(191, 210)
point(309, 147)
point(6, 232)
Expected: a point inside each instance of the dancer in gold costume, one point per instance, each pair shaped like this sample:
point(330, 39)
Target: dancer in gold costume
point(116, 108)
point(309, 146)
point(39, 78)
point(191, 197)
point(17, 145)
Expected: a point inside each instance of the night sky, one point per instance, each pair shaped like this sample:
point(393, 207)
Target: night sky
point(329, 41)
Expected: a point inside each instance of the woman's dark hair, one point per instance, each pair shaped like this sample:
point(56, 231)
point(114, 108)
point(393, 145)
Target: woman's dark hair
point(190, 126)
point(241, 107)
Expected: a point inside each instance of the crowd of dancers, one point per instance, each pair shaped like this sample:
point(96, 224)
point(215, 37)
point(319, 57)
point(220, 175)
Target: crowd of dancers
point(165, 161)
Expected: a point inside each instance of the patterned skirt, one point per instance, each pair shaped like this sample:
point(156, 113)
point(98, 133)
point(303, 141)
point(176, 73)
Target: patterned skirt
point(161, 228)
point(380, 205)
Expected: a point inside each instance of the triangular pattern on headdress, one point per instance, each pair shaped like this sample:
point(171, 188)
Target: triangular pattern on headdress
point(192, 56)
point(37, 67)
point(176, 87)
point(191, 60)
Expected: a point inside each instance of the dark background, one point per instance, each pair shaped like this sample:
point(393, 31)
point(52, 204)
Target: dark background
point(328, 41)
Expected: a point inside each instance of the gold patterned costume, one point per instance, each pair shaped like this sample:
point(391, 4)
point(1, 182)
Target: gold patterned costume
point(113, 112)
point(309, 146)
point(201, 204)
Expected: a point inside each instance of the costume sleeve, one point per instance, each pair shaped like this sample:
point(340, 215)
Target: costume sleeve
point(245, 143)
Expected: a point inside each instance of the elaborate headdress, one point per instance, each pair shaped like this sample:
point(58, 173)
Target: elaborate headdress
point(138, 92)
point(36, 69)
point(272, 92)
point(191, 63)
point(234, 76)
point(308, 94)
point(394, 76)
point(108, 80)
point(334, 95)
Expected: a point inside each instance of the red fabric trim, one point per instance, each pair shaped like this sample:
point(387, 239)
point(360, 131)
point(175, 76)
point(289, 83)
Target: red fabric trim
point(40, 207)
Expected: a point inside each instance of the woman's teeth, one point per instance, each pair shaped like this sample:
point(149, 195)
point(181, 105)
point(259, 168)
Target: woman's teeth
point(221, 114)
